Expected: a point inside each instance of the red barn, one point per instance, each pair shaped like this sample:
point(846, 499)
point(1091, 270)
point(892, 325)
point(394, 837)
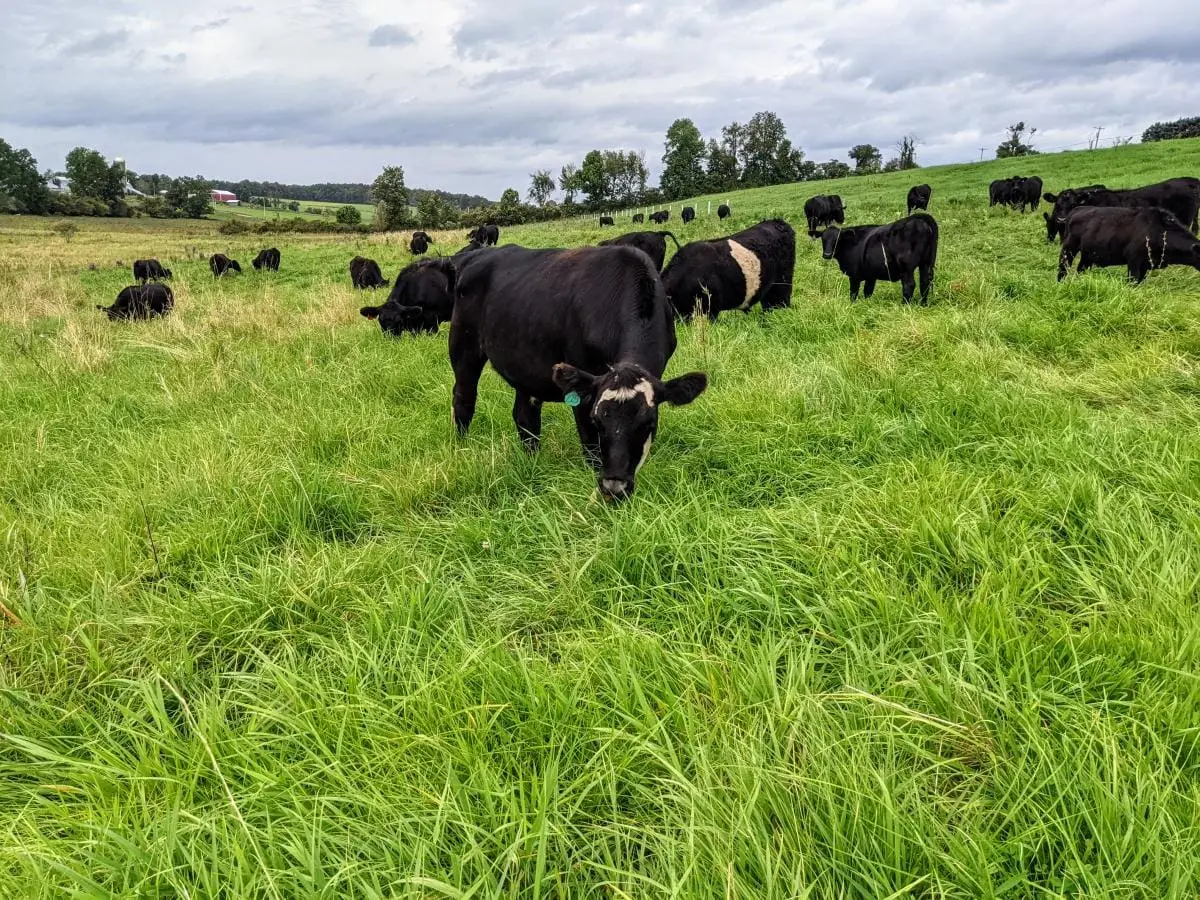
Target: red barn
point(225, 197)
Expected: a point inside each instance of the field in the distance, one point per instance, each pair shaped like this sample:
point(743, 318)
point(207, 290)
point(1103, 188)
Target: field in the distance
point(906, 604)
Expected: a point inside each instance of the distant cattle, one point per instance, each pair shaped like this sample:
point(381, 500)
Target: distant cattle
point(419, 244)
point(723, 211)
point(652, 243)
point(735, 272)
point(267, 260)
point(487, 235)
point(421, 298)
point(638, 218)
point(1141, 239)
point(140, 301)
point(661, 217)
point(1000, 192)
point(687, 214)
point(823, 210)
point(607, 220)
point(220, 264)
point(1178, 196)
point(149, 270)
point(918, 197)
point(870, 253)
point(365, 274)
point(1018, 192)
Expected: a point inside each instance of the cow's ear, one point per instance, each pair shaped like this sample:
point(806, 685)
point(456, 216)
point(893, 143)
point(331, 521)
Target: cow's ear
point(567, 378)
point(1050, 198)
point(683, 390)
point(370, 312)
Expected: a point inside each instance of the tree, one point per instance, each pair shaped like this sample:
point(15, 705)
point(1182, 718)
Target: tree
point(541, 186)
point(92, 177)
point(594, 180)
point(293, 206)
point(509, 207)
point(568, 182)
point(906, 153)
point(190, 198)
point(683, 161)
point(867, 159)
point(434, 211)
point(22, 188)
point(348, 215)
point(835, 168)
point(1172, 131)
point(765, 153)
point(1015, 144)
point(391, 199)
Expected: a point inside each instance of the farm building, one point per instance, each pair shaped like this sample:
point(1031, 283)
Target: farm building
point(225, 197)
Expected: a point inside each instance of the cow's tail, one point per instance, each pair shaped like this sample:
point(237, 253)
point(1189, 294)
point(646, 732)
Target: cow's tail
point(672, 237)
point(933, 226)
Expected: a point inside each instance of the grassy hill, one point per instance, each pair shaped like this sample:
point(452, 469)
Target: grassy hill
point(906, 603)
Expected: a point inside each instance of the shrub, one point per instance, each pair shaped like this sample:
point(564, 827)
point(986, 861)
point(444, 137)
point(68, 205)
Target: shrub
point(65, 230)
point(348, 215)
point(233, 226)
point(1172, 131)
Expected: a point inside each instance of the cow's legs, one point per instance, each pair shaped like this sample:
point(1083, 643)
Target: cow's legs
point(777, 295)
point(926, 283)
point(589, 437)
point(909, 285)
point(527, 413)
point(467, 359)
point(1064, 261)
point(854, 285)
point(869, 288)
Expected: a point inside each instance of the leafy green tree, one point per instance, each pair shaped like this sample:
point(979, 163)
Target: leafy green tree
point(569, 184)
point(391, 200)
point(435, 211)
point(348, 215)
point(683, 161)
point(93, 177)
point(765, 153)
point(1015, 145)
point(835, 168)
point(594, 179)
point(22, 187)
point(190, 198)
point(723, 169)
point(867, 159)
point(541, 187)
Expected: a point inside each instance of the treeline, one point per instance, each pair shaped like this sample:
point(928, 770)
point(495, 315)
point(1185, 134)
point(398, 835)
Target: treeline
point(1172, 131)
point(336, 193)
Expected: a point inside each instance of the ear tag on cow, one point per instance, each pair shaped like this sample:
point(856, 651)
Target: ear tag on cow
point(572, 399)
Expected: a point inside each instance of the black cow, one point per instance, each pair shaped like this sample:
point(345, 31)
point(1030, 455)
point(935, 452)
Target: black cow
point(723, 211)
point(487, 235)
point(472, 245)
point(220, 264)
point(652, 243)
point(638, 218)
point(1139, 238)
point(870, 253)
point(1000, 192)
point(140, 301)
point(589, 327)
point(734, 272)
point(421, 299)
point(420, 243)
point(918, 197)
point(688, 213)
point(149, 270)
point(1018, 192)
point(267, 260)
point(364, 274)
point(1179, 196)
point(661, 217)
point(607, 220)
point(824, 210)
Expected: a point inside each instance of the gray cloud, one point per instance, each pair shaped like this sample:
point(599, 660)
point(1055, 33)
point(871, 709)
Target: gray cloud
point(390, 36)
point(97, 44)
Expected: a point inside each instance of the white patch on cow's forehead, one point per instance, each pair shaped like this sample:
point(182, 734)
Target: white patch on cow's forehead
point(620, 395)
point(645, 453)
point(751, 267)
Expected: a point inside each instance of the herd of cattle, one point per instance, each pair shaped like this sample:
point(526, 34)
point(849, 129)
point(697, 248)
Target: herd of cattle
point(593, 327)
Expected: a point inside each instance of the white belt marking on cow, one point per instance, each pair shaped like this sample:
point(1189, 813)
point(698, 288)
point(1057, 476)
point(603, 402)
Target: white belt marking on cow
point(751, 267)
point(619, 395)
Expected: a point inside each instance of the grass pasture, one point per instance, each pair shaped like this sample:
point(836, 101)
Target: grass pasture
point(906, 604)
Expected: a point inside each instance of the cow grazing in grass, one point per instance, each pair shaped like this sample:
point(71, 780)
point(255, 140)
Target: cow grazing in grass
point(220, 264)
point(267, 260)
point(140, 301)
point(418, 245)
point(661, 217)
point(823, 210)
point(1000, 192)
point(652, 243)
point(735, 272)
point(723, 211)
point(607, 220)
point(1026, 193)
point(487, 235)
point(871, 253)
point(365, 274)
point(687, 214)
point(918, 197)
point(422, 298)
point(1178, 196)
point(149, 270)
point(589, 327)
point(1139, 238)
point(638, 218)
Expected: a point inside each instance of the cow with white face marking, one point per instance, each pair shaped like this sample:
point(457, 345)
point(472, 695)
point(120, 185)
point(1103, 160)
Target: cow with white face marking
point(589, 327)
point(735, 272)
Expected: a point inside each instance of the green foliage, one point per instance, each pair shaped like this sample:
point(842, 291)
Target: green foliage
point(92, 177)
point(906, 156)
point(765, 154)
point(22, 188)
point(435, 212)
point(65, 229)
point(348, 215)
point(683, 161)
point(391, 200)
point(867, 159)
point(189, 198)
point(1172, 131)
point(1015, 146)
point(156, 207)
point(541, 187)
point(233, 226)
point(293, 206)
point(70, 205)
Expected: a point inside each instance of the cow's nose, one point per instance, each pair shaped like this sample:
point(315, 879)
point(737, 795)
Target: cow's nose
point(616, 488)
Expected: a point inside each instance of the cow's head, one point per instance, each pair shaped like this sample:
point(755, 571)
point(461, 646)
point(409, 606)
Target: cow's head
point(830, 238)
point(623, 405)
point(395, 319)
point(167, 273)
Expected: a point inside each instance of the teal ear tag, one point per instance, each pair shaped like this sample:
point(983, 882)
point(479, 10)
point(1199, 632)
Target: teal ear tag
point(572, 399)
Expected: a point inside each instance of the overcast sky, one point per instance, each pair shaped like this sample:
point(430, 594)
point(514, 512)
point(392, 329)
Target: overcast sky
point(473, 95)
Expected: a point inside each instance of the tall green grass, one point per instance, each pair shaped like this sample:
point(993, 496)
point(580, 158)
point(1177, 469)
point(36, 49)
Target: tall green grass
point(905, 605)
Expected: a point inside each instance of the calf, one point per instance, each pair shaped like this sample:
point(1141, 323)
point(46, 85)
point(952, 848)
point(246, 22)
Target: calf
point(918, 197)
point(734, 272)
point(267, 260)
point(723, 211)
point(487, 235)
point(1178, 196)
point(687, 214)
point(661, 217)
point(421, 299)
point(638, 218)
point(220, 264)
point(606, 220)
point(870, 253)
point(589, 327)
point(149, 270)
point(1000, 192)
point(1141, 239)
point(419, 244)
point(652, 243)
point(1026, 192)
point(824, 210)
point(140, 301)
point(364, 274)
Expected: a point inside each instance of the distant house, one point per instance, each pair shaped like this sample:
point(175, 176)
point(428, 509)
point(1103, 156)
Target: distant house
point(59, 184)
point(225, 197)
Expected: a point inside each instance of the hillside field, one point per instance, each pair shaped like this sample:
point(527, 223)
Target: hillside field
point(906, 605)
point(223, 211)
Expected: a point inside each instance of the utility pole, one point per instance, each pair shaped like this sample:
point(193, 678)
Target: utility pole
point(982, 150)
point(1096, 145)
